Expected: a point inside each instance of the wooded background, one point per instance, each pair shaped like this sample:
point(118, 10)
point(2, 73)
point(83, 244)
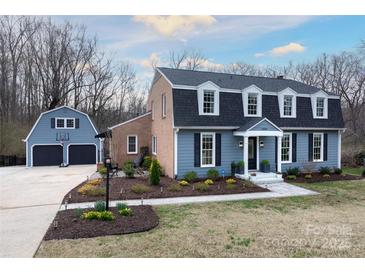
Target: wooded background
point(44, 65)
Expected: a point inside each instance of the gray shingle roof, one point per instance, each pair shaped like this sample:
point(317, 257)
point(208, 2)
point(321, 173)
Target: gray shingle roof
point(234, 81)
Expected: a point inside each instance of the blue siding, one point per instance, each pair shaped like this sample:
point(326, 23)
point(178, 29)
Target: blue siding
point(44, 134)
point(232, 152)
point(264, 125)
point(185, 145)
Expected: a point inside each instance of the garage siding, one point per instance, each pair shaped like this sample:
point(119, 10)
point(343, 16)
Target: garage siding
point(44, 134)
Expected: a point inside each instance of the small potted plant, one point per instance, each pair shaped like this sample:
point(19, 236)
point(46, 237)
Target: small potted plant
point(240, 167)
point(265, 166)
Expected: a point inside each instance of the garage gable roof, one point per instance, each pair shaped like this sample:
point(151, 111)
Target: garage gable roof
point(52, 110)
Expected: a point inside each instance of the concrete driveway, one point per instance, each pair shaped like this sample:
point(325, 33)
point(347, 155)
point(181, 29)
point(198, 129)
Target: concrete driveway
point(29, 200)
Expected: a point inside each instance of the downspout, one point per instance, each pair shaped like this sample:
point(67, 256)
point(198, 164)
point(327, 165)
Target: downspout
point(176, 130)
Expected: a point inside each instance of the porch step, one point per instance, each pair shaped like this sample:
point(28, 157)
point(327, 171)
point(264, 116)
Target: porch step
point(262, 178)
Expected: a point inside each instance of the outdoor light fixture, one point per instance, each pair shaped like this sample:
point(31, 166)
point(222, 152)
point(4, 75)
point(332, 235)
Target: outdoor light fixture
point(261, 143)
point(108, 165)
point(240, 144)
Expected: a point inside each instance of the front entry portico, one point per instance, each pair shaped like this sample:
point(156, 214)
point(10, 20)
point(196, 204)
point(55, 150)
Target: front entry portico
point(250, 132)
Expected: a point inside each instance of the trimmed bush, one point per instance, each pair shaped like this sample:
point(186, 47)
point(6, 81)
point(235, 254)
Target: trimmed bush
point(175, 188)
point(100, 191)
point(231, 181)
point(291, 177)
point(125, 211)
point(265, 162)
point(231, 186)
point(100, 206)
point(121, 206)
point(155, 173)
point(90, 188)
point(325, 170)
point(209, 182)
point(140, 188)
point(212, 173)
point(79, 212)
point(102, 171)
point(190, 176)
point(128, 169)
point(201, 187)
point(95, 182)
point(308, 176)
point(184, 183)
point(147, 162)
point(338, 171)
point(293, 171)
point(98, 215)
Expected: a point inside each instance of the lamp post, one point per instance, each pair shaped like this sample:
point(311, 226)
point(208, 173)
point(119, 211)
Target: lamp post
point(107, 163)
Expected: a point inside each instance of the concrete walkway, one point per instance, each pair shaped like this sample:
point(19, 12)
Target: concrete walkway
point(277, 190)
point(29, 200)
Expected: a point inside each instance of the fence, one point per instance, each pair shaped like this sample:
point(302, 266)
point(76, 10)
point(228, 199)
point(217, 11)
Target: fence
point(11, 160)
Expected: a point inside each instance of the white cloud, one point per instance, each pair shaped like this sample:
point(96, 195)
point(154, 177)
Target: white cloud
point(282, 50)
point(175, 25)
point(153, 59)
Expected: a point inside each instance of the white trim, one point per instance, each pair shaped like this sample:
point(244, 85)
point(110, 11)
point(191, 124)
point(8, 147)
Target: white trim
point(132, 152)
point(281, 96)
point(175, 150)
point(130, 120)
point(258, 133)
point(208, 86)
point(42, 144)
point(339, 140)
point(290, 148)
point(322, 146)
point(163, 102)
point(80, 144)
point(64, 122)
point(164, 76)
point(257, 152)
point(319, 94)
point(209, 127)
point(312, 128)
point(101, 149)
point(267, 120)
point(41, 115)
point(213, 149)
point(154, 145)
point(252, 90)
point(278, 154)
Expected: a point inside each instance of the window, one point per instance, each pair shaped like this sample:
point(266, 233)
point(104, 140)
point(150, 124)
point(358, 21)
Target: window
point(132, 144)
point(288, 105)
point(317, 147)
point(163, 105)
point(252, 104)
point(286, 147)
point(153, 110)
point(208, 101)
point(320, 107)
point(207, 147)
point(65, 123)
point(154, 145)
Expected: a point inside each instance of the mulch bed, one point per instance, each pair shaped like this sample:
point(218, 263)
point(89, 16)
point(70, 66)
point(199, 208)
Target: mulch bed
point(317, 178)
point(117, 184)
point(70, 226)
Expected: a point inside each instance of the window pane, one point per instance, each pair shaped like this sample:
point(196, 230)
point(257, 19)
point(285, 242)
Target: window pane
point(288, 105)
point(207, 149)
point(208, 101)
point(70, 123)
point(317, 143)
point(285, 147)
point(132, 144)
point(320, 107)
point(252, 104)
point(60, 123)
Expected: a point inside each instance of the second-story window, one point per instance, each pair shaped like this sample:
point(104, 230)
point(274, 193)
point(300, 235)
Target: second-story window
point(252, 104)
point(288, 105)
point(208, 101)
point(163, 99)
point(65, 123)
point(320, 107)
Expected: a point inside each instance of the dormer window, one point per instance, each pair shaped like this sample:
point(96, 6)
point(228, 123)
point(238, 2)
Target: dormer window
point(252, 101)
point(320, 107)
point(252, 104)
point(208, 99)
point(287, 103)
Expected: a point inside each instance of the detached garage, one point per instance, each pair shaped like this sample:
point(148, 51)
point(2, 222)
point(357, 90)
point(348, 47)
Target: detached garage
point(63, 136)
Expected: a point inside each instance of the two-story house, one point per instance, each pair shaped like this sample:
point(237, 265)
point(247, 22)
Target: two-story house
point(197, 120)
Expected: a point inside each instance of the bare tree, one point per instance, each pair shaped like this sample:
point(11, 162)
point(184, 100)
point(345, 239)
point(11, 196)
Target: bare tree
point(191, 59)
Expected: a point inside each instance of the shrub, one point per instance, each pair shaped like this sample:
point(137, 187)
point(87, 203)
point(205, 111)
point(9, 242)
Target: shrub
point(231, 181)
point(190, 176)
point(98, 215)
point(291, 177)
point(209, 182)
point(184, 183)
point(85, 188)
point(308, 176)
point(78, 212)
point(128, 169)
point(121, 206)
point(95, 182)
point(201, 187)
point(363, 173)
point(359, 158)
point(100, 191)
point(102, 171)
point(231, 186)
point(265, 162)
point(155, 173)
point(233, 168)
point(90, 188)
point(212, 173)
point(125, 211)
point(140, 188)
point(147, 162)
point(175, 187)
point(337, 171)
point(100, 206)
point(326, 176)
point(293, 171)
point(325, 170)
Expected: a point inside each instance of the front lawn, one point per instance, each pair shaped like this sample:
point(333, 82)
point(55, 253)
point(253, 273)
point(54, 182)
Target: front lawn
point(353, 170)
point(331, 224)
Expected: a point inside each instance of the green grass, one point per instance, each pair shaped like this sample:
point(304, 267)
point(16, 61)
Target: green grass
point(353, 170)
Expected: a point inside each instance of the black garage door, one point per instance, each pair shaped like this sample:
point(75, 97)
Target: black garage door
point(81, 154)
point(50, 155)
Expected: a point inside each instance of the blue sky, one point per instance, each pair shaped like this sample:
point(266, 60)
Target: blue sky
point(272, 40)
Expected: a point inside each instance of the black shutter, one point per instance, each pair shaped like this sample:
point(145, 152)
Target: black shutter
point(310, 147)
point(52, 122)
point(294, 147)
point(218, 142)
point(197, 149)
point(77, 123)
point(325, 146)
point(276, 153)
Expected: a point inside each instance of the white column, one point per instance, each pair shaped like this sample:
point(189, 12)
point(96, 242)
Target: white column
point(339, 150)
point(279, 155)
point(245, 154)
